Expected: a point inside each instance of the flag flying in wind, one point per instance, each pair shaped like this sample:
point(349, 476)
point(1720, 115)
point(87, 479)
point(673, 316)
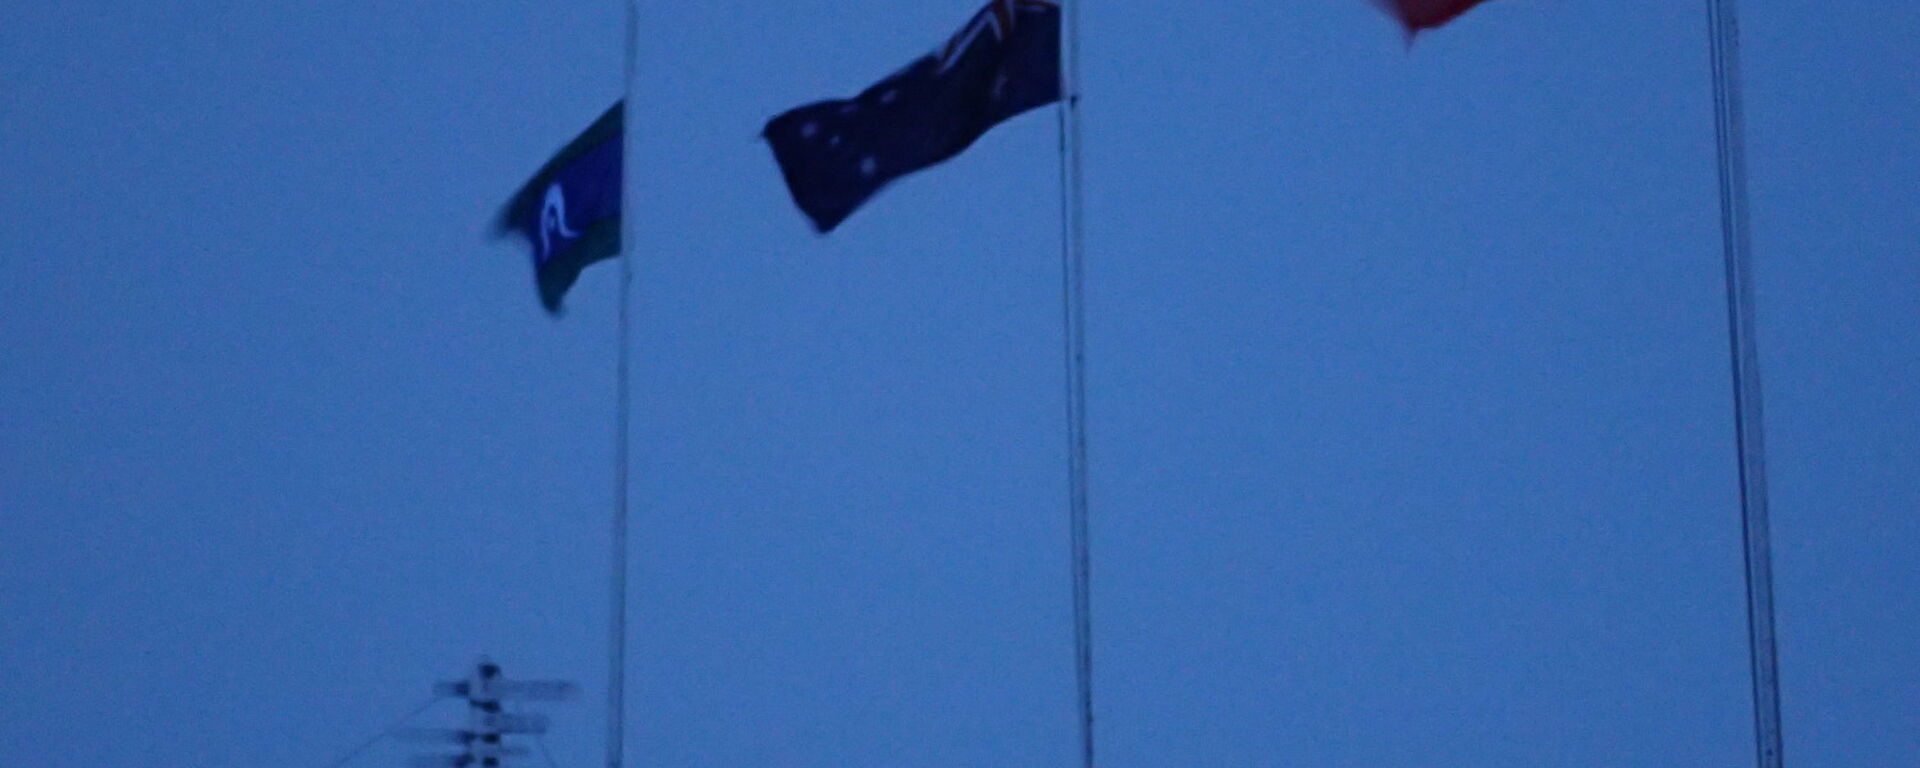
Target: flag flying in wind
point(835, 154)
point(570, 210)
point(1426, 14)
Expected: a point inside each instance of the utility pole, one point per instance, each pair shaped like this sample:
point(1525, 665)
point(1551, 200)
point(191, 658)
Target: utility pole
point(483, 741)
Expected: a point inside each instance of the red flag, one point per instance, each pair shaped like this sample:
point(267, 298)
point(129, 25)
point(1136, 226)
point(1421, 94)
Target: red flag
point(1426, 14)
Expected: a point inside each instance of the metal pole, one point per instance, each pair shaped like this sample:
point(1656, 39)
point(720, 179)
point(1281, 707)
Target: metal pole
point(1749, 424)
point(1074, 319)
point(617, 627)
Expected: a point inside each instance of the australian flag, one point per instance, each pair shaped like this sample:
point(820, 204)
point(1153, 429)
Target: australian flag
point(835, 154)
point(570, 210)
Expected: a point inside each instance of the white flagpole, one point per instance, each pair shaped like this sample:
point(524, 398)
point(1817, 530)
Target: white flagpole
point(1074, 318)
point(1749, 426)
point(617, 626)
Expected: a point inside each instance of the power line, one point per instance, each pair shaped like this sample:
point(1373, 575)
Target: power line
point(384, 732)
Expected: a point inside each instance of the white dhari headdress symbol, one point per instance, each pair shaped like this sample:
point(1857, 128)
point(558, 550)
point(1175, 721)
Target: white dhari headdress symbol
point(553, 219)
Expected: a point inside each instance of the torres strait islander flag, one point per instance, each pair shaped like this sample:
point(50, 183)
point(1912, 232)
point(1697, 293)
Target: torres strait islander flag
point(1426, 14)
point(570, 211)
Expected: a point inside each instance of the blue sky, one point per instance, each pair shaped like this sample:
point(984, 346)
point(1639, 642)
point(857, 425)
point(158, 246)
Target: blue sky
point(1411, 441)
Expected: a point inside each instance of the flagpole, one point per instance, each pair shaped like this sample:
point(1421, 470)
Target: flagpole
point(1749, 426)
point(1074, 318)
point(617, 627)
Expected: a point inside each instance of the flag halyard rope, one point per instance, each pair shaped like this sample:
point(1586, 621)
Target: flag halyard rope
point(1073, 308)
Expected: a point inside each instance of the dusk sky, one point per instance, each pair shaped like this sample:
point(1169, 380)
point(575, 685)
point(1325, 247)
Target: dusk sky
point(1409, 395)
